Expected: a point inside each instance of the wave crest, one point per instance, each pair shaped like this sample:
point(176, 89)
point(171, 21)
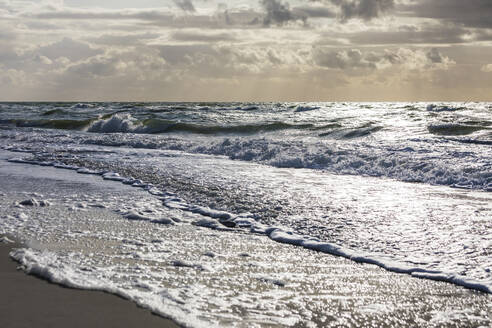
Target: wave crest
point(443, 108)
point(115, 123)
point(127, 124)
point(453, 129)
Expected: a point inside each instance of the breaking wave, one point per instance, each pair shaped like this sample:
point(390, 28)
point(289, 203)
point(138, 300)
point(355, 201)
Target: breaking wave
point(402, 142)
point(127, 124)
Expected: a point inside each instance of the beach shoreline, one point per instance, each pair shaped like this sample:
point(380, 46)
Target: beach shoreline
point(323, 289)
point(29, 301)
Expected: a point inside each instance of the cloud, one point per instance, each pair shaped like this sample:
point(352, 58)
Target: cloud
point(95, 66)
point(123, 40)
point(353, 59)
point(278, 13)
point(182, 54)
point(142, 64)
point(343, 59)
point(49, 47)
point(469, 13)
point(227, 61)
point(419, 59)
point(40, 25)
point(196, 36)
point(313, 11)
point(67, 13)
point(42, 59)
point(185, 5)
point(363, 9)
point(68, 48)
point(7, 55)
point(487, 68)
point(6, 33)
point(412, 34)
point(34, 59)
point(144, 18)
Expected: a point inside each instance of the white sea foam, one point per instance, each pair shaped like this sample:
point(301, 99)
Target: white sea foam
point(165, 268)
point(5, 240)
point(53, 268)
point(133, 215)
point(87, 171)
point(364, 257)
point(279, 234)
point(113, 176)
point(222, 220)
point(358, 139)
point(119, 123)
point(406, 142)
point(442, 108)
point(22, 216)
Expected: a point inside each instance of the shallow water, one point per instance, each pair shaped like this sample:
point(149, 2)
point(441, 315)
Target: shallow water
point(405, 186)
point(205, 277)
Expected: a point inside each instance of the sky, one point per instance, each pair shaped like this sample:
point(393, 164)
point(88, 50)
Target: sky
point(239, 50)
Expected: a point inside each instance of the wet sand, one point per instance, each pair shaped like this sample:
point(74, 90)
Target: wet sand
point(26, 301)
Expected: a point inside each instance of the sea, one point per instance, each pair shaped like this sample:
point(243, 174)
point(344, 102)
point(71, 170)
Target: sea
point(404, 186)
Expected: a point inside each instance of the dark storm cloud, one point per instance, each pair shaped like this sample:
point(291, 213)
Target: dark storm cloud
point(435, 56)
point(278, 13)
point(470, 13)
point(365, 9)
point(185, 5)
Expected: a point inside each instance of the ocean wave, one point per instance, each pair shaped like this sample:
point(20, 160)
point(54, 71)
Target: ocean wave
point(443, 108)
point(416, 162)
point(447, 161)
point(305, 108)
point(352, 133)
point(410, 166)
point(454, 129)
point(64, 124)
point(54, 112)
point(473, 141)
point(115, 123)
point(128, 124)
point(83, 106)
